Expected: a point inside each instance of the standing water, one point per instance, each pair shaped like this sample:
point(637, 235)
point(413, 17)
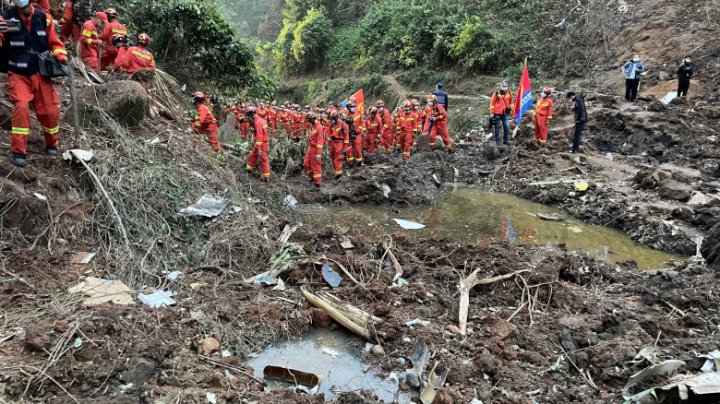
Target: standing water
point(469, 215)
point(329, 354)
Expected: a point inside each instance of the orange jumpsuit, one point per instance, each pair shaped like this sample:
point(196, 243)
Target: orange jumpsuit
point(338, 133)
point(373, 136)
point(130, 60)
point(542, 117)
point(500, 103)
point(259, 153)
point(356, 139)
point(408, 126)
point(110, 52)
point(70, 30)
point(438, 120)
point(43, 4)
point(89, 47)
point(296, 124)
point(206, 123)
point(243, 124)
point(313, 157)
point(387, 132)
point(272, 117)
point(25, 85)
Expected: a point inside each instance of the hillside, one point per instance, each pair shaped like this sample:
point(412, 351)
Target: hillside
point(250, 284)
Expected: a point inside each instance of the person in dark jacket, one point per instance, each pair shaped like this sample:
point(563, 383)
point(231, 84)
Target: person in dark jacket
point(442, 96)
point(684, 74)
point(581, 118)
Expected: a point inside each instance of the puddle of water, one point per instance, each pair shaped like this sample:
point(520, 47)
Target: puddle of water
point(330, 354)
point(466, 214)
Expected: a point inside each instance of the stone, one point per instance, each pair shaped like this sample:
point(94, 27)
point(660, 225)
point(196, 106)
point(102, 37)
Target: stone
point(61, 326)
point(673, 193)
point(207, 346)
point(37, 339)
point(377, 350)
point(500, 329)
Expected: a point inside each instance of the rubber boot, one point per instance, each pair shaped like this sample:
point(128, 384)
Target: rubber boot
point(19, 160)
point(52, 151)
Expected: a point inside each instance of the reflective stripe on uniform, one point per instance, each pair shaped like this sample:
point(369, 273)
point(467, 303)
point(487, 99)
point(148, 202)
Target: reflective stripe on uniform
point(51, 131)
point(119, 31)
point(59, 51)
point(20, 131)
point(87, 33)
point(142, 55)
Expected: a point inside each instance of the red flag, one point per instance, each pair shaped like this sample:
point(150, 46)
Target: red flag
point(523, 101)
point(360, 100)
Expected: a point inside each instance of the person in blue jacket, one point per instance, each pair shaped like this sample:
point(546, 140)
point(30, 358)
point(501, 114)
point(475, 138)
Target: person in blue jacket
point(633, 69)
point(442, 96)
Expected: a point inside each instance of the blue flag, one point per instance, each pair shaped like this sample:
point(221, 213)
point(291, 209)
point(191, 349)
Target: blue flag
point(523, 101)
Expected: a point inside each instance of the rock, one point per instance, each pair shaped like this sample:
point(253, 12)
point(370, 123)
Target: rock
point(500, 329)
point(207, 346)
point(126, 100)
point(711, 248)
point(377, 350)
point(454, 329)
point(683, 213)
point(675, 194)
point(664, 76)
point(140, 373)
point(61, 326)
point(567, 341)
point(711, 168)
point(36, 339)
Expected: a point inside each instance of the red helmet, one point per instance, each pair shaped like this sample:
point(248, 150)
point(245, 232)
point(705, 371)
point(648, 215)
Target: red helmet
point(432, 98)
point(143, 39)
point(373, 110)
point(547, 90)
point(380, 103)
point(415, 101)
point(309, 116)
point(407, 104)
point(198, 95)
point(117, 38)
point(332, 113)
point(111, 12)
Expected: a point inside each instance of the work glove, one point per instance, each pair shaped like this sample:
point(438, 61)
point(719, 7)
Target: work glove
point(62, 58)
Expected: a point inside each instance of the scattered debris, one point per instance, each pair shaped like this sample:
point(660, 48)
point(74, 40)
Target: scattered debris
point(331, 277)
point(417, 321)
point(290, 201)
point(700, 384)
point(408, 225)
point(712, 362)
point(207, 206)
point(100, 291)
point(158, 298)
point(211, 397)
point(419, 357)
point(82, 258)
point(40, 196)
point(292, 376)
point(435, 383)
point(346, 244)
point(78, 155)
point(659, 369)
point(207, 346)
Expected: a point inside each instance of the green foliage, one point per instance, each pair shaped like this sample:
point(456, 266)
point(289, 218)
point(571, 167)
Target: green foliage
point(301, 45)
point(193, 41)
point(244, 16)
point(476, 46)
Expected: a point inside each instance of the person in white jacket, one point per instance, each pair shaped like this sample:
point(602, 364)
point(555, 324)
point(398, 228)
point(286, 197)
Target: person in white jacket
point(632, 70)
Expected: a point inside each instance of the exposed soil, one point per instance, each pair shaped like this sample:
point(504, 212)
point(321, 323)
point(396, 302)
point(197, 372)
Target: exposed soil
point(653, 172)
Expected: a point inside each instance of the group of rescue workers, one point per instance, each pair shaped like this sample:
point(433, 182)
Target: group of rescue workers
point(344, 130)
point(27, 32)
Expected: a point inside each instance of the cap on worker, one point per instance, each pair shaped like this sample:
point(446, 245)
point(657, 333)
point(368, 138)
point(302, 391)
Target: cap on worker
point(102, 16)
point(143, 39)
point(198, 95)
point(440, 85)
point(547, 90)
point(111, 12)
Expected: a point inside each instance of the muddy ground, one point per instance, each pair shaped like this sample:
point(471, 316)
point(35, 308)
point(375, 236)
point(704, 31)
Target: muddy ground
point(588, 317)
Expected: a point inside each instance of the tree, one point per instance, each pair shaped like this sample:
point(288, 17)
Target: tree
point(301, 45)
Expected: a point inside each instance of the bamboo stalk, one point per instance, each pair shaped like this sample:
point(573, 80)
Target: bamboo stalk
point(337, 316)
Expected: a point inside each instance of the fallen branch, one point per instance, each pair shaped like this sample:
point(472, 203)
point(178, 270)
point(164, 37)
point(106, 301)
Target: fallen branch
point(466, 285)
point(107, 197)
point(396, 264)
point(336, 315)
point(233, 368)
point(345, 271)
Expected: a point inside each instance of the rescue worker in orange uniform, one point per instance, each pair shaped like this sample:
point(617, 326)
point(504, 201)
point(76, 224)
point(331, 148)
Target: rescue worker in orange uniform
point(243, 123)
point(70, 27)
point(357, 129)
point(297, 122)
point(205, 122)
point(436, 123)
point(259, 154)
point(112, 28)
point(130, 60)
point(387, 121)
point(543, 115)
point(502, 106)
point(90, 43)
point(374, 127)
point(338, 133)
point(407, 122)
point(35, 35)
point(316, 143)
point(272, 114)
